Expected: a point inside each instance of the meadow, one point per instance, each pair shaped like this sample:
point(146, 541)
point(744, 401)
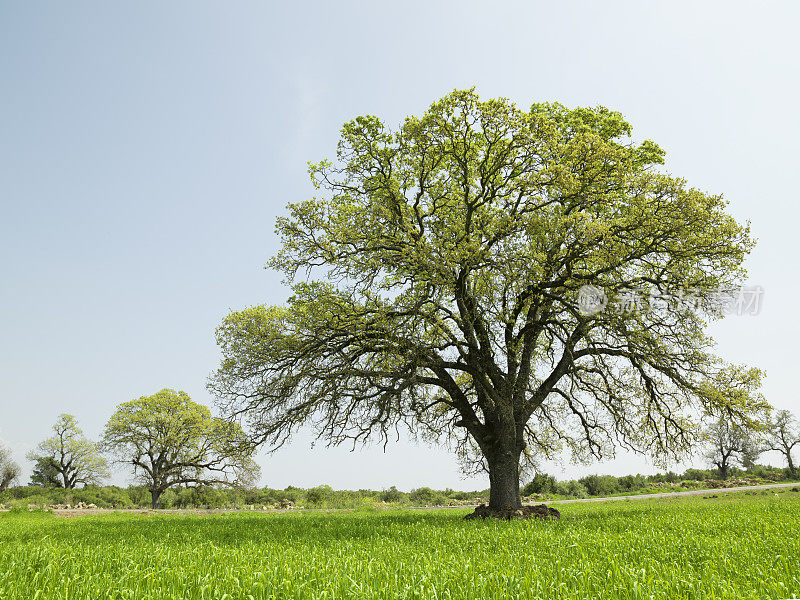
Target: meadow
point(734, 546)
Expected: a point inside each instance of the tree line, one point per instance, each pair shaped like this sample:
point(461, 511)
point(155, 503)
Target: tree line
point(175, 447)
point(540, 487)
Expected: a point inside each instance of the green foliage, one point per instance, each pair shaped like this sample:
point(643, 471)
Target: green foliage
point(630, 483)
point(540, 484)
point(699, 474)
point(168, 498)
point(319, 494)
point(67, 458)
point(668, 477)
point(425, 496)
point(9, 470)
point(46, 472)
point(326, 497)
point(171, 440)
point(731, 443)
point(600, 485)
point(391, 495)
point(571, 489)
point(17, 511)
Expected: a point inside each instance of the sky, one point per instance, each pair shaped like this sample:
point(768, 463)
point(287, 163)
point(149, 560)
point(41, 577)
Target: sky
point(147, 148)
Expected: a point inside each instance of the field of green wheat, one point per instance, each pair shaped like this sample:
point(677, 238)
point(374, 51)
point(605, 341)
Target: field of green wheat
point(727, 547)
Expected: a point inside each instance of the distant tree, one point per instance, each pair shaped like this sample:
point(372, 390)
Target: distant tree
point(171, 440)
point(319, 494)
point(451, 275)
point(600, 485)
point(391, 495)
point(730, 444)
point(750, 451)
point(782, 435)
point(75, 459)
point(45, 473)
point(9, 470)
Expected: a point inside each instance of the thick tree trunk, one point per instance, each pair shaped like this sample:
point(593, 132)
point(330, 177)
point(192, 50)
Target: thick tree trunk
point(155, 495)
point(504, 481)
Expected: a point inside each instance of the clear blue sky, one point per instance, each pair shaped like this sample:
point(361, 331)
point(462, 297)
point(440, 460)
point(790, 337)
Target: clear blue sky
point(146, 149)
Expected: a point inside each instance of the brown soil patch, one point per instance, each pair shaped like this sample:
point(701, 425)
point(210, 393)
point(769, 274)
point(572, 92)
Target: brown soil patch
point(538, 511)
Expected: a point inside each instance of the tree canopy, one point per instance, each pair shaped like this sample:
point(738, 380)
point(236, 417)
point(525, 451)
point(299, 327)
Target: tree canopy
point(45, 473)
point(69, 456)
point(439, 280)
point(171, 440)
point(730, 443)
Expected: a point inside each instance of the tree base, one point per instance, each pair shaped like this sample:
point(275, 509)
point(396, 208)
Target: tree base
point(539, 511)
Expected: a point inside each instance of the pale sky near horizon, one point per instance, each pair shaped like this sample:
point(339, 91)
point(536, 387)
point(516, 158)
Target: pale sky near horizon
point(146, 150)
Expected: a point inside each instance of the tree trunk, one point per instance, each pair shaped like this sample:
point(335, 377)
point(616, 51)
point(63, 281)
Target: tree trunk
point(504, 481)
point(155, 495)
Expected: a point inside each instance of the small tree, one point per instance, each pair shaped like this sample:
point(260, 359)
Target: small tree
point(782, 435)
point(171, 440)
point(730, 444)
point(9, 470)
point(750, 451)
point(45, 473)
point(75, 459)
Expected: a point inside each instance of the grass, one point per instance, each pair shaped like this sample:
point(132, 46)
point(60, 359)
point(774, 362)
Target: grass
point(734, 546)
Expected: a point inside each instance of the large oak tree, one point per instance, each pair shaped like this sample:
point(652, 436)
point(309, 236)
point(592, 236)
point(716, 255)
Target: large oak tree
point(439, 281)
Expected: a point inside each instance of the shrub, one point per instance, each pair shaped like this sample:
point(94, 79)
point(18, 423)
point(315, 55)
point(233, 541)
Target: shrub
point(629, 483)
point(391, 495)
point(425, 496)
point(600, 485)
point(540, 484)
point(571, 489)
point(319, 495)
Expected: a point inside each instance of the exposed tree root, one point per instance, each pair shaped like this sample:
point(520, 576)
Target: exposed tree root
point(539, 511)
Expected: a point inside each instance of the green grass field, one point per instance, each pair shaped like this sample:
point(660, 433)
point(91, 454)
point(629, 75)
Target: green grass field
point(741, 547)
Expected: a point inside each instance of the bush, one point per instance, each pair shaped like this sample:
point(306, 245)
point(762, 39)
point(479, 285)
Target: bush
point(425, 496)
point(392, 495)
point(540, 484)
point(319, 495)
point(630, 483)
point(600, 485)
point(571, 489)
point(697, 475)
point(766, 472)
